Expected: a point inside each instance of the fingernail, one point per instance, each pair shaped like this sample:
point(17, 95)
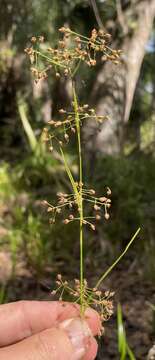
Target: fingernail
point(77, 331)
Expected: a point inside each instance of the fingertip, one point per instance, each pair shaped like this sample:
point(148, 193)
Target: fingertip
point(92, 349)
point(93, 319)
point(69, 310)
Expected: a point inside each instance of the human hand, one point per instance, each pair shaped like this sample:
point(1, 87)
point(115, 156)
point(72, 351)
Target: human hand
point(42, 330)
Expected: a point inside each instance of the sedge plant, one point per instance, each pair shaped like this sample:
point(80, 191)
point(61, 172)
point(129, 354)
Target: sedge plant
point(64, 60)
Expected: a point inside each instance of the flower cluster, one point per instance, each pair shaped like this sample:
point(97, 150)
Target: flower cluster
point(100, 300)
point(100, 205)
point(71, 50)
point(66, 125)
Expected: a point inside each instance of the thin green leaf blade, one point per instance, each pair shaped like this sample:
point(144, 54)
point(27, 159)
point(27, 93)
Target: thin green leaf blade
point(130, 353)
point(69, 173)
point(122, 346)
point(26, 125)
point(118, 259)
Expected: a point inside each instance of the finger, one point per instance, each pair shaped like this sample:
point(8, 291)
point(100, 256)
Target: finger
point(94, 321)
point(92, 350)
point(69, 341)
point(31, 317)
point(90, 315)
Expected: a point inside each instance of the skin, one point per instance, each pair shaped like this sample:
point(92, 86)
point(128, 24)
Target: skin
point(29, 330)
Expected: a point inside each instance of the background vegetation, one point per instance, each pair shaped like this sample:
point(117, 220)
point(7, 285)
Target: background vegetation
point(119, 155)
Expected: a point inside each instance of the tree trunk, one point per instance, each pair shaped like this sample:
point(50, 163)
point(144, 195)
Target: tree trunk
point(114, 87)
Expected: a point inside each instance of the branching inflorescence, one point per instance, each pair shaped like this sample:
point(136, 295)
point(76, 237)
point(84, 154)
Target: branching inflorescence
point(91, 296)
point(72, 50)
point(71, 202)
point(66, 126)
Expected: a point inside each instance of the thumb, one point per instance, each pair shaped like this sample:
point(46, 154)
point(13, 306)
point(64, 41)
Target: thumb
point(69, 341)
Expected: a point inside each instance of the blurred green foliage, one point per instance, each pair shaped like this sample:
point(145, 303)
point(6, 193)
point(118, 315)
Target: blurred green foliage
point(29, 236)
point(132, 182)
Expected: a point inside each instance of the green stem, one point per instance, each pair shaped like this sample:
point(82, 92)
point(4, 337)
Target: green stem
point(76, 68)
point(77, 121)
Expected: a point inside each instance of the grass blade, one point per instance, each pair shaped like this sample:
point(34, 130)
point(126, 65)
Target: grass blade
point(69, 174)
point(118, 259)
point(130, 353)
point(26, 125)
point(123, 346)
point(121, 334)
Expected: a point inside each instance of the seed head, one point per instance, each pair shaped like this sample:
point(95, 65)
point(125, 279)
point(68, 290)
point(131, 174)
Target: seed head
point(57, 75)
point(51, 122)
point(62, 44)
point(92, 227)
point(77, 282)
point(102, 199)
point(62, 111)
point(66, 221)
point(108, 201)
point(108, 36)
point(60, 194)
point(66, 72)
point(57, 123)
point(92, 191)
point(107, 216)
point(66, 137)
point(52, 221)
point(101, 32)
point(53, 292)
point(41, 39)
point(59, 277)
point(49, 209)
point(64, 30)
point(92, 62)
point(44, 202)
point(33, 39)
point(108, 191)
point(96, 207)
